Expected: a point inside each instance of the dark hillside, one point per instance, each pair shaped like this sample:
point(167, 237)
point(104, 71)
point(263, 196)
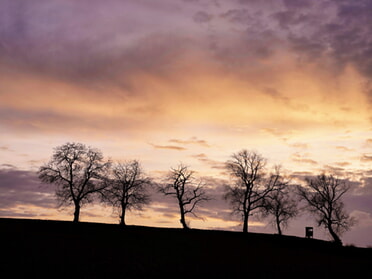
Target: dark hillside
point(57, 249)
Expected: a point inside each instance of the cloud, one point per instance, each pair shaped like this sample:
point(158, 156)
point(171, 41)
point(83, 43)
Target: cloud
point(193, 140)
point(202, 17)
point(36, 121)
point(364, 219)
point(283, 134)
point(368, 142)
point(286, 101)
point(54, 117)
point(170, 147)
point(337, 171)
point(5, 148)
point(179, 142)
point(343, 36)
point(289, 18)
point(241, 16)
point(344, 148)
point(88, 41)
point(123, 47)
point(343, 164)
point(107, 42)
point(212, 163)
point(359, 197)
point(7, 166)
point(303, 158)
point(299, 145)
point(138, 66)
point(217, 207)
point(274, 93)
point(297, 4)
point(366, 158)
point(19, 188)
point(331, 35)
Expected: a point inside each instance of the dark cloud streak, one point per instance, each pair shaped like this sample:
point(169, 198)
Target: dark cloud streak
point(19, 187)
point(169, 147)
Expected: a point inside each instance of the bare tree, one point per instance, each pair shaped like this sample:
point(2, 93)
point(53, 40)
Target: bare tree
point(280, 204)
point(77, 171)
point(188, 193)
point(252, 187)
point(127, 188)
point(323, 197)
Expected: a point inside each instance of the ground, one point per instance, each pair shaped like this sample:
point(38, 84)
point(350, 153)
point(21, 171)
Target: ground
point(60, 249)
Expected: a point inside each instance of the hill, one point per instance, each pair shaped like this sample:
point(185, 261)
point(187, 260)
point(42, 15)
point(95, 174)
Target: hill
point(59, 249)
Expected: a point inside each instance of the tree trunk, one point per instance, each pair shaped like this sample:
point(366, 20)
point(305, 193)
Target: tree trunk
point(245, 222)
point(278, 225)
point(76, 212)
point(183, 220)
point(122, 215)
point(336, 239)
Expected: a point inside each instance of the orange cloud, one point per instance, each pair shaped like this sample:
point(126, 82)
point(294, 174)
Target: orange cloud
point(171, 147)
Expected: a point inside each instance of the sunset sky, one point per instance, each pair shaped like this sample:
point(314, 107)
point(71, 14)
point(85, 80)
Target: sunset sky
point(189, 81)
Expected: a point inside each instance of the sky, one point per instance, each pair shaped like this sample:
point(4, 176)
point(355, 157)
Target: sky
point(189, 81)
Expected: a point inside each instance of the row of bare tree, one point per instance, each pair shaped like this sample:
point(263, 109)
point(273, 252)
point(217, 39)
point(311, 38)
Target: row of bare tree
point(81, 174)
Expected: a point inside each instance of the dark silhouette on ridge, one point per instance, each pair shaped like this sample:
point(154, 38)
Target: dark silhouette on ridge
point(126, 188)
point(81, 174)
point(181, 184)
point(280, 204)
point(78, 172)
point(251, 187)
point(323, 197)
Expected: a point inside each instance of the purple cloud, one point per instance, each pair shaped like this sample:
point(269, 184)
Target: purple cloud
point(202, 17)
point(95, 42)
point(86, 40)
point(344, 35)
point(19, 187)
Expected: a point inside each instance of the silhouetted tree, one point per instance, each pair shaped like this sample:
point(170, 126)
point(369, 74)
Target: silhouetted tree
point(252, 187)
point(280, 204)
point(127, 188)
point(188, 193)
point(323, 197)
point(77, 171)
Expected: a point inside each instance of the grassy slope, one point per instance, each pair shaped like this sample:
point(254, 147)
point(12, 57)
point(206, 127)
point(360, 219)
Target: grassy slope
point(57, 249)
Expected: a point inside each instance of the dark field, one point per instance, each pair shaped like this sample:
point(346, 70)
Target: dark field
point(56, 249)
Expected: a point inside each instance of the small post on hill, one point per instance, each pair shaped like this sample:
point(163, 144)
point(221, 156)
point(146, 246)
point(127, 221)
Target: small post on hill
point(309, 231)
